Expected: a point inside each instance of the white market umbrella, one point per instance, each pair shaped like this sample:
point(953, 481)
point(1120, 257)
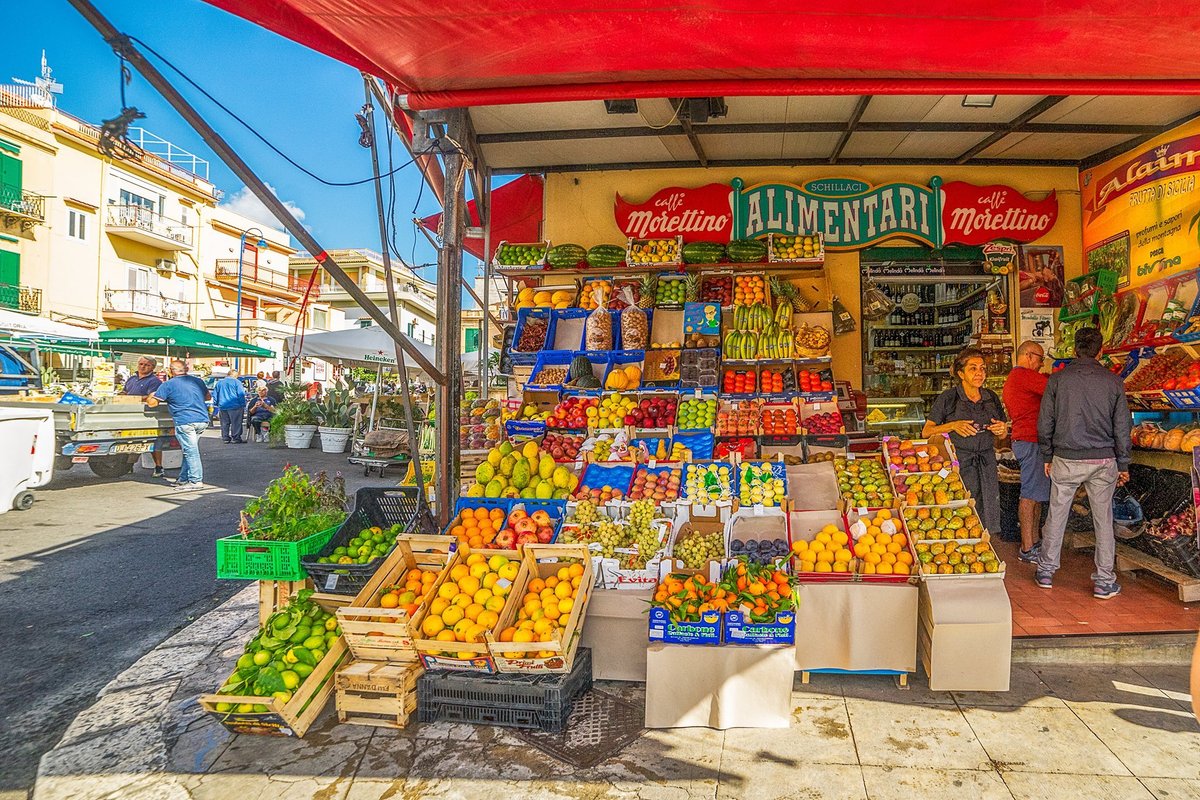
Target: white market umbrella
point(26, 325)
point(370, 346)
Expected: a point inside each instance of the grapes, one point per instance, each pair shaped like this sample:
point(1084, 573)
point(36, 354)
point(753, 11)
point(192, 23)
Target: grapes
point(609, 535)
point(586, 512)
point(699, 548)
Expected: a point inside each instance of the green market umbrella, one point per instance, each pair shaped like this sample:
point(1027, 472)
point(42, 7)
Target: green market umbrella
point(177, 340)
point(69, 347)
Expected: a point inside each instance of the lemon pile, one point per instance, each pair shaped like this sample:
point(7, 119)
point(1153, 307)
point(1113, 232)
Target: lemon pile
point(829, 551)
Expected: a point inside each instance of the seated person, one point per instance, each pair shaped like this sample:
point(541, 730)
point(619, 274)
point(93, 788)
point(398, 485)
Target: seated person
point(260, 410)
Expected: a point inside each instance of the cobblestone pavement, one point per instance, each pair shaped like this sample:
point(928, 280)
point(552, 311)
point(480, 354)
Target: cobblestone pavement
point(1062, 731)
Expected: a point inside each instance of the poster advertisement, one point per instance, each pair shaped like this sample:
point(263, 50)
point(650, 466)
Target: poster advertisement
point(1141, 209)
point(1041, 276)
point(1037, 324)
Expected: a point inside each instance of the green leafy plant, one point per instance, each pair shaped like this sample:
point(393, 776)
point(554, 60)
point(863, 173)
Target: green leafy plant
point(336, 408)
point(294, 409)
point(295, 505)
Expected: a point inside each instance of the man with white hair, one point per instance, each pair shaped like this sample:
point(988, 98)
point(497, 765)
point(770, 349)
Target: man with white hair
point(142, 383)
point(186, 397)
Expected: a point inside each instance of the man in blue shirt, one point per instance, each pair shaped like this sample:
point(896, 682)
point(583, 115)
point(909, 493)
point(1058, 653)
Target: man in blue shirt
point(142, 383)
point(186, 397)
point(230, 396)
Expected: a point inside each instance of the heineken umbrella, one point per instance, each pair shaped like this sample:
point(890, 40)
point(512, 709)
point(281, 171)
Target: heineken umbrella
point(177, 340)
point(371, 346)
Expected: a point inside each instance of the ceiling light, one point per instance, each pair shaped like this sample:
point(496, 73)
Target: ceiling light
point(978, 100)
point(621, 106)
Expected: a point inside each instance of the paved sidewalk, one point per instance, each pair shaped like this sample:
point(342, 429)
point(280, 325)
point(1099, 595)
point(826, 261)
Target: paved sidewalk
point(1115, 732)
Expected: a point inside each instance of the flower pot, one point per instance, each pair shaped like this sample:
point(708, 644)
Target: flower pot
point(333, 440)
point(298, 437)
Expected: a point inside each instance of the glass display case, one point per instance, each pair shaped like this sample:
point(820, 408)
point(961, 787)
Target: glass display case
point(895, 416)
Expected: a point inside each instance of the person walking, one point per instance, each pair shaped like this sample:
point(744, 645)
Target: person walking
point(1083, 432)
point(1022, 396)
point(230, 396)
point(186, 397)
point(141, 384)
point(974, 417)
point(262, 408)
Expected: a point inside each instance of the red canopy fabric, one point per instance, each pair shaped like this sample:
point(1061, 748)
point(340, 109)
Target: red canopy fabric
point(516, 215)
point(489, 51)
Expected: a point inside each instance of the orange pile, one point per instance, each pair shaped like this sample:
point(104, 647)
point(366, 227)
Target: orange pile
point(829, 551)
point(749, 289)
point(469, 601)
point(545, 609)
point(477, 527)
point(880, 552)
point(409, 596)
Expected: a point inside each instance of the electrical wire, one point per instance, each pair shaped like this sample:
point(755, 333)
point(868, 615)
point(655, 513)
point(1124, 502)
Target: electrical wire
point(666, 124)
point(250, 127)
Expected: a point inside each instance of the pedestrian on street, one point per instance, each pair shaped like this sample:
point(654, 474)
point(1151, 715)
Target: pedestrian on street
point(141, 384)
point(186, 397)
point(275, 387)
point(262, 408)
point(1023, 392)
point(1083, 431)
point(974, 417)
point(230, 396)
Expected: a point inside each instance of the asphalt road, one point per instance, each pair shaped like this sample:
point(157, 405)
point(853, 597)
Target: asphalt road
point(101, 571)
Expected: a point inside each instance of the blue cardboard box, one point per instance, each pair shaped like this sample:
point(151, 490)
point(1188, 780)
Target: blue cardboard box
point(707, 631)
point(739, 630)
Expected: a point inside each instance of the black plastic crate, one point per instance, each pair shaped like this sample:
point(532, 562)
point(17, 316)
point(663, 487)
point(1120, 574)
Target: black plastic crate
point(542, 702)
point(382, 507)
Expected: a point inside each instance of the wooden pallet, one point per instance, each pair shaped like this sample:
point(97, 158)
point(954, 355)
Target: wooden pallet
point(1130, 559)
point(379, 694)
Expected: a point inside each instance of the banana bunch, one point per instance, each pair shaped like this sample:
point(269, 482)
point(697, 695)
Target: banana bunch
point(772, 343)
point(751, 318)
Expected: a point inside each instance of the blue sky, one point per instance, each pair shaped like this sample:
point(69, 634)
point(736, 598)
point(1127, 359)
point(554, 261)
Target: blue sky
point(301, 101)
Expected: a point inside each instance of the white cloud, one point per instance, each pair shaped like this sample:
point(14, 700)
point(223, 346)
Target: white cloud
point(244, 202)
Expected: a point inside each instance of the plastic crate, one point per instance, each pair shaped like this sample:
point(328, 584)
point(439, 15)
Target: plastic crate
point(541, 702)
point(239, 558)
point(528, 358)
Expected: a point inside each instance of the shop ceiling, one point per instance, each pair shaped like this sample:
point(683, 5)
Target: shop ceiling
point(825, 82)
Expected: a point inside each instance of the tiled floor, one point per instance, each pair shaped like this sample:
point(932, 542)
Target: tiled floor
point(1145, 604)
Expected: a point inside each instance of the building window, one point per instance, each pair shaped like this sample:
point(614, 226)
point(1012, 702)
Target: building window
point(472, 340)
point(320, 319)
point(128, 198)
point(142, 279)
point(77, 224)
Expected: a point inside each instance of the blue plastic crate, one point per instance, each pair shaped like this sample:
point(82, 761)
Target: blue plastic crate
point(778, 469)
point(599, 362)
point(523, 317)
point(624, 358)
point(549, 358)
point(700, 442)
point(597, 476)
point(557, 316)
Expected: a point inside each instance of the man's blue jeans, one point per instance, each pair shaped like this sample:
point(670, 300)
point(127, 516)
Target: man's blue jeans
point(188, 435)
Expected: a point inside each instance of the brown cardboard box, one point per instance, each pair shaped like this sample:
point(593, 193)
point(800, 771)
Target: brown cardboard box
point(813, 487)
point(857, 626)
point(615, 630)
point(719, 687)
point(966, 635)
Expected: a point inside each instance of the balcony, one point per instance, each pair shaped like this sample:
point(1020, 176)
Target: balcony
point(144, 225)
point(22, 208)
point(25, 299)
point(138, 305)
point(263, 280)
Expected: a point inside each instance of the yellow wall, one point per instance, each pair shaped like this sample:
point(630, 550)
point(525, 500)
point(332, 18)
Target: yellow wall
point(579, 209)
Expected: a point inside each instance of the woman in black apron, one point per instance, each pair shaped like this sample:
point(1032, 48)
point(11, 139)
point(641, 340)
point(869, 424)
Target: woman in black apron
point(974, 417)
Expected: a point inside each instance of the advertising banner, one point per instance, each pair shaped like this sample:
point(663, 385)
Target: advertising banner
point(1141, 210)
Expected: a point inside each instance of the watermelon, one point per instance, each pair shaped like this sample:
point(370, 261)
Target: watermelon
point(703, 252)
point(605, 256)
point(746, 251)
point(580, 366)
point(565, 256)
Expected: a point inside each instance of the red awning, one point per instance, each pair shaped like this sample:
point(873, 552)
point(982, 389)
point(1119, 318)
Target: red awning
point(489, 52)
point(516, 215)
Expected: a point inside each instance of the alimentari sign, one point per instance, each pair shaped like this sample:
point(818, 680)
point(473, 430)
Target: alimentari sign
point(850, 213)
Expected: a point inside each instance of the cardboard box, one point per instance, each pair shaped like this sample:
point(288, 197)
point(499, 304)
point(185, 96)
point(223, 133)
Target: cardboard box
point(719, 687)
point(615, 632)
point(813, 487)
point(857, 626)
point(666, 329)
point(738, 630)
point(756, 523)
point(966, 635)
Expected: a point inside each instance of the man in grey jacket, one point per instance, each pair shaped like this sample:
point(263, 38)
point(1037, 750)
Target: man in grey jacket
point(1083, 434)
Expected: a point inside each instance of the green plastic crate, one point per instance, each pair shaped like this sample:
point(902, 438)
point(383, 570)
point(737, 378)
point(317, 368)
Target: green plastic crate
point(261, 560)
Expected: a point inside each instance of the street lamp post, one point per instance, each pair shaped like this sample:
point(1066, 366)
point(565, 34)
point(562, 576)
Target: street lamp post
point(237, 326)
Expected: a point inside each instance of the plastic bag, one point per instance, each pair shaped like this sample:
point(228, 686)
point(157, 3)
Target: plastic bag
point(635, 327)
point(597, 330)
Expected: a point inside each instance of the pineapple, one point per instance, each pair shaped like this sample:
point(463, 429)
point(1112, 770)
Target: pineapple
point(691, 287)
point(647, 290)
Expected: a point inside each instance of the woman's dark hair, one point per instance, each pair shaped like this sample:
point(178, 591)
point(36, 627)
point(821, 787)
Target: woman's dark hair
point(1088, 342)
point(964, 355)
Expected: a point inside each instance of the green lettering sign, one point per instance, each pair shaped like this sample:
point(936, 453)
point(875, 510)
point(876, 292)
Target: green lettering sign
point(851, 214)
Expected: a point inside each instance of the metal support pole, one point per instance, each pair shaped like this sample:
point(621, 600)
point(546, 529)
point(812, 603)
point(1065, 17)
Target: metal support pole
point(414, 444)
point(227, 154)
point(449, 308)
point(485, 379)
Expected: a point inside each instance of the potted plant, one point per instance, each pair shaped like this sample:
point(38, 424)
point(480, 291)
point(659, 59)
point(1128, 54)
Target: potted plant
point(295, 419)
point(335, 413)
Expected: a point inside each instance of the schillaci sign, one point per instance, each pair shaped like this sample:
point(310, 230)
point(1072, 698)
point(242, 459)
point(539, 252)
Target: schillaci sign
point(850, 213)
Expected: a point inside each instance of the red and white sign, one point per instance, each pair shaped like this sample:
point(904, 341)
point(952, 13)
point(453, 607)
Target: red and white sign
point(980, 214)
point(698, 215)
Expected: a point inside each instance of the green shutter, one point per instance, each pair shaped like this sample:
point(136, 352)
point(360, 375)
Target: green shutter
point(472, 340)
point(10, 180)
point(10, 279)
point(11, 147)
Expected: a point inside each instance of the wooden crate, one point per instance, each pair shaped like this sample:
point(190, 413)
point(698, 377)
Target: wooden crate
point(293, 718)
point(388, 634)
point(373, 693)
point(522, 657)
